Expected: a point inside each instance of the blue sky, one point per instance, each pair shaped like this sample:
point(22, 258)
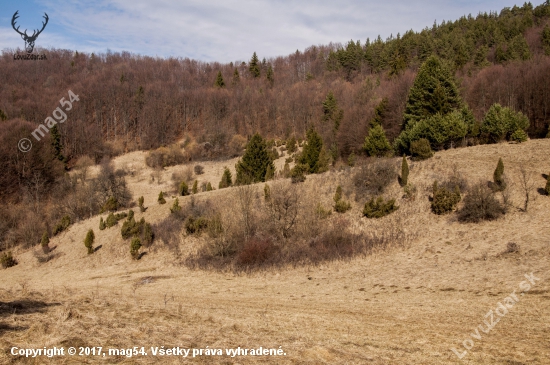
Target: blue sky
point(224, 31)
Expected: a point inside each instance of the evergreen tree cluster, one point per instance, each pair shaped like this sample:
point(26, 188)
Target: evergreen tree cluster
point(468, 39)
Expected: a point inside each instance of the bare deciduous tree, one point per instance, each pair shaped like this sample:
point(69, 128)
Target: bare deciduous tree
point(527, 184)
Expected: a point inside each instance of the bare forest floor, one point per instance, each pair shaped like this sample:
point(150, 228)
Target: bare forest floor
point(406, 305)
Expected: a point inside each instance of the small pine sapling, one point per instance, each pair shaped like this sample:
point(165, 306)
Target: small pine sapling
point(404, 178)
point(498, 176)
point(175, 206)
point(45, 242)
point(161, 198)
point(135, 245)
point(183, 189)
point(89, 241)
point(141, 200)
point(226, 180)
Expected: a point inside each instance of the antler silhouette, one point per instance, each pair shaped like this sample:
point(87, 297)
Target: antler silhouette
point(25, 35)
point(43, 26)
point(15, 16)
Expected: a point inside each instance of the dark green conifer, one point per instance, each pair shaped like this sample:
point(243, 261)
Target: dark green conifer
point(89, 241)
point(498, 177)
point(376, 143)
point(434, 91)
point(226, 180)
point(219, 80)
point(311, 151)
point(161, 199)
point(254, 66)
point(252, 167)
point(404, 178)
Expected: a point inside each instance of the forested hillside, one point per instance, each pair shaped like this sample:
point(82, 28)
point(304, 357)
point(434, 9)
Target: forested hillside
point(128, 102)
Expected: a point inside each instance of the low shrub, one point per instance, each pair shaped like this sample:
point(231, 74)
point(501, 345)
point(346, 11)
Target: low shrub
point(421, 149)
point(321, 212)
point(480, 204)
point(195, 225)
point(547, 188)
point(255, 252)
point(7, 260)
point(298, 173)
point(340, 206)
point(519, 136)
point(443, 199)
point(101, 224)
point(111, 220)
point(379, 208)
point(165, 156)
point(111, 205)
point(374, 177)
point(62, 225)
point(199, 170)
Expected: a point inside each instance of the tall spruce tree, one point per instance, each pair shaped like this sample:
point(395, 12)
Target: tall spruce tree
point(219, 80)
point(434, 91)
point(254, 66)
point(311, 152)
point(254, 164)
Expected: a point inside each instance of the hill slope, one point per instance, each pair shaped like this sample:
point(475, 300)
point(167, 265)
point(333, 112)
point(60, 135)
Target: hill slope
point(408, 304)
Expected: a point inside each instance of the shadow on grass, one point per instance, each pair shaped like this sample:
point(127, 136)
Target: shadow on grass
point(21, 307)
point(24, 306)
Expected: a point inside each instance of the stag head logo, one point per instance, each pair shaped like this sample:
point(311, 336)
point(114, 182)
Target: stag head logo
point(29, 40)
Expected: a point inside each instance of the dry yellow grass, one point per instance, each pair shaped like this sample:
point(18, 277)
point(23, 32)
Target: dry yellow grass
point(408, 305)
